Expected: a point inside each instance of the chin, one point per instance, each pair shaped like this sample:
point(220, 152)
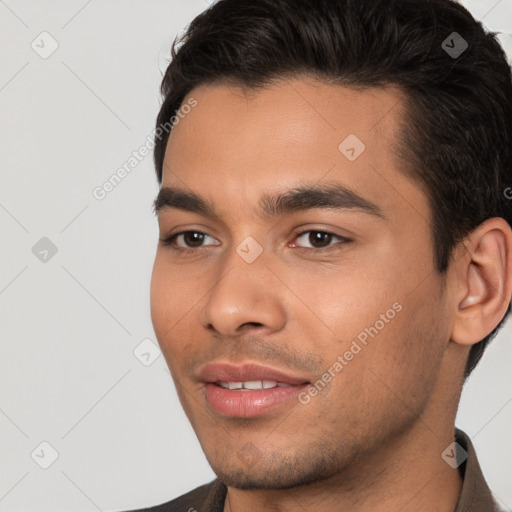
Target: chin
point(280, 475)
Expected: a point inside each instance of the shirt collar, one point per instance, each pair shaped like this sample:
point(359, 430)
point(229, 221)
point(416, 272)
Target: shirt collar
point(475, 494)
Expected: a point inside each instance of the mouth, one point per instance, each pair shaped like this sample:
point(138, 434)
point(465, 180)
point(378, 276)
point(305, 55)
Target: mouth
point(252, 385)
point(248, 390)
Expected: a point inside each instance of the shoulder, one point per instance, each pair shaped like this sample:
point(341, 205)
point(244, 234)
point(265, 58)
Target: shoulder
point(205, 498)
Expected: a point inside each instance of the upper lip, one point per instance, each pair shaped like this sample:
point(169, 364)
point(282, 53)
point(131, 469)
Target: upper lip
point(226, 372)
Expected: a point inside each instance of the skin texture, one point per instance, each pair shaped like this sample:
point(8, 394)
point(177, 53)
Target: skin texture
point(373, 438)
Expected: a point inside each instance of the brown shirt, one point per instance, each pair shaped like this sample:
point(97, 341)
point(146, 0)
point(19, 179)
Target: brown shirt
point(474, 497)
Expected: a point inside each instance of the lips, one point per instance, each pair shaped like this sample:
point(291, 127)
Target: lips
point(248, 390)
point(220, 372)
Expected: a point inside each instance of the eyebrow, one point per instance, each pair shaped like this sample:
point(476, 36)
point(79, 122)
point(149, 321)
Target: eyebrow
point(302, 198)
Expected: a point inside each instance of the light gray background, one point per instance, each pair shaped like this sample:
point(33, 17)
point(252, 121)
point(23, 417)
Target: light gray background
point(69, 326)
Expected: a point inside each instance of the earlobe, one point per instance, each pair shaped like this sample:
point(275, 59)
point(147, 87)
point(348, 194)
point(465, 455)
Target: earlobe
point(485, 281)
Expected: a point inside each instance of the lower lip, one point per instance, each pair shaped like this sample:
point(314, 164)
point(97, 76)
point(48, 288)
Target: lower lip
point(247, 404)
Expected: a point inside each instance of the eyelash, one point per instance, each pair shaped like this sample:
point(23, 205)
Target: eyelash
point(170, 241)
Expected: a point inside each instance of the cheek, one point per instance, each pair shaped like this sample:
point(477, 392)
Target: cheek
point(171, 294)
point(408, 356)
point(159, 298)
point(172, 302)
point(382, 323)
point(165, 309)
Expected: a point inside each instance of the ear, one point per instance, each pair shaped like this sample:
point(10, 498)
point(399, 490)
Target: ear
point(484, 281)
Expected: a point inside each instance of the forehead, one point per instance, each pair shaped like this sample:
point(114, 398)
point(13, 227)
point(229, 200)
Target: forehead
point(239, 143)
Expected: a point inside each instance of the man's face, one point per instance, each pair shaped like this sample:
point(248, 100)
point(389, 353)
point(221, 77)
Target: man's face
point(353, 325)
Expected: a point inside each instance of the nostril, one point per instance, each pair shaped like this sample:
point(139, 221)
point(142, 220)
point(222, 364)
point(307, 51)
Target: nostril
point(255, 324)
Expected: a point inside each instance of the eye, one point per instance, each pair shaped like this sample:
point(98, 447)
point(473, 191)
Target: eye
point(320, 239)
point(192, 240)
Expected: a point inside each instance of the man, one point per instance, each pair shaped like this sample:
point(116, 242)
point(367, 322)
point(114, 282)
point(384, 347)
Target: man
point(335, 249)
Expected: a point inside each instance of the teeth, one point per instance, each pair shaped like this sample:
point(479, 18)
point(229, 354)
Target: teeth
point(253, 384)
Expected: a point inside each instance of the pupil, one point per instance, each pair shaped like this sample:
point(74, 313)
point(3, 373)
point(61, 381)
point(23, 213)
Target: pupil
point(193, 237)
point(316, 236)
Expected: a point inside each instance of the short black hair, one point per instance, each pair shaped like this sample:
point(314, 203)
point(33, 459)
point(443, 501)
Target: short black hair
point(457, 131)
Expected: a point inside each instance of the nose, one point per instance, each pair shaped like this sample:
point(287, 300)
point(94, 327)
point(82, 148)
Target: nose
point(245, 295)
